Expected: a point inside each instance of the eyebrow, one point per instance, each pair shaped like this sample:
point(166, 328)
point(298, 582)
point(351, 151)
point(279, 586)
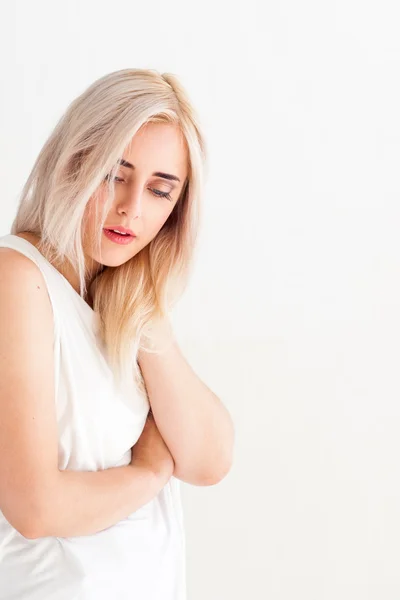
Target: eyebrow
point(125, 163)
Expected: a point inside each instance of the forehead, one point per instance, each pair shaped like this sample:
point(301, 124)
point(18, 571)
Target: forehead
point(159, 147)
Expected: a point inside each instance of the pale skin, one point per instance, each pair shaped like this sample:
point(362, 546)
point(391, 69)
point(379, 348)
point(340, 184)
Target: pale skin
point(191, 433)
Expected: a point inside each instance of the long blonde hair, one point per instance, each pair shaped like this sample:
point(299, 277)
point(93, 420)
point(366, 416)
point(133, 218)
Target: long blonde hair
point(82, 150)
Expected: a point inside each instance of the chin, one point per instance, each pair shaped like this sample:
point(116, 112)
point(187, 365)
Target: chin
point(111, 255)
point(112, 259)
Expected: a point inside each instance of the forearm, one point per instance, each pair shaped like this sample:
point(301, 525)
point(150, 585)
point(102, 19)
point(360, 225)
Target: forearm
point(85, 502)
point(193, 422)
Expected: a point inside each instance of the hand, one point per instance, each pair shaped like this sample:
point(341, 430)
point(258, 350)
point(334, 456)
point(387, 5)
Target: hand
point(151, 451)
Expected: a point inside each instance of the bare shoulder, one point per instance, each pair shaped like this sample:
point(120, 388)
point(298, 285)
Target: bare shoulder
point(22, 284)
point(26, 314)
point(12, 260)
point(28, 427)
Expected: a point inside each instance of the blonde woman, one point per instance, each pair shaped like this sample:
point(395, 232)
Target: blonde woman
point(100, 414)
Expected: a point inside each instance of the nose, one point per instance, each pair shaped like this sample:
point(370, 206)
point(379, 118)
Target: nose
point(131, 205)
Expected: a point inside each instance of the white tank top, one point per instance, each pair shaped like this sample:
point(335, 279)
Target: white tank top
point(141, 557)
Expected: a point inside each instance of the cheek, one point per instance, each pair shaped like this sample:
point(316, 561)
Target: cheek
point(155, 223)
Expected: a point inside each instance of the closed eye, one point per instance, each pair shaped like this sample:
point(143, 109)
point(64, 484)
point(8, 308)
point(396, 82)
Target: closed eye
point(160, 194)
point(157, 193)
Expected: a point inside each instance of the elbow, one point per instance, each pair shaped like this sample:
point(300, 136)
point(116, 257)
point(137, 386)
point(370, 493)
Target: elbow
point(30, 533)
point(205, 476)
point(27, 519)
point(219, 469)
point(216, 475)
point(211, 469)
point(29, 526)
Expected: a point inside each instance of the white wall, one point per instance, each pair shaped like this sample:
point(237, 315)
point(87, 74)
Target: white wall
point(293, 312)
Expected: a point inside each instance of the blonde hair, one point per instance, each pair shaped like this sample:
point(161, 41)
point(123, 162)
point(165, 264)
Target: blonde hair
point(81, 151)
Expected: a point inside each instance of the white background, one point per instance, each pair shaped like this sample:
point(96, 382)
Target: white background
point(292, 316)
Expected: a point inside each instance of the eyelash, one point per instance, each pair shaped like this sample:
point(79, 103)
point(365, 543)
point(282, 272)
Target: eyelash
point(156, 193)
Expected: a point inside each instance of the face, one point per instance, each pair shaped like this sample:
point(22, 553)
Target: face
point(148, 183)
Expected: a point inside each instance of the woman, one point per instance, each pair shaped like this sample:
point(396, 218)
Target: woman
point(100, 414)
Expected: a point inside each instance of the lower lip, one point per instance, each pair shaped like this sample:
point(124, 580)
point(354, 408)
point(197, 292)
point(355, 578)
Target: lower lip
point(117, 238)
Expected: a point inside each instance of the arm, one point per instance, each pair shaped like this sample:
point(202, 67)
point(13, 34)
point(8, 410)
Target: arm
point(36, 497)
point(194, 423)
point(85, 502)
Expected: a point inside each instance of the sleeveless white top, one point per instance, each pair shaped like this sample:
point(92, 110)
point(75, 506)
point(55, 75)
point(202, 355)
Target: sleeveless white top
point(141, 557)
